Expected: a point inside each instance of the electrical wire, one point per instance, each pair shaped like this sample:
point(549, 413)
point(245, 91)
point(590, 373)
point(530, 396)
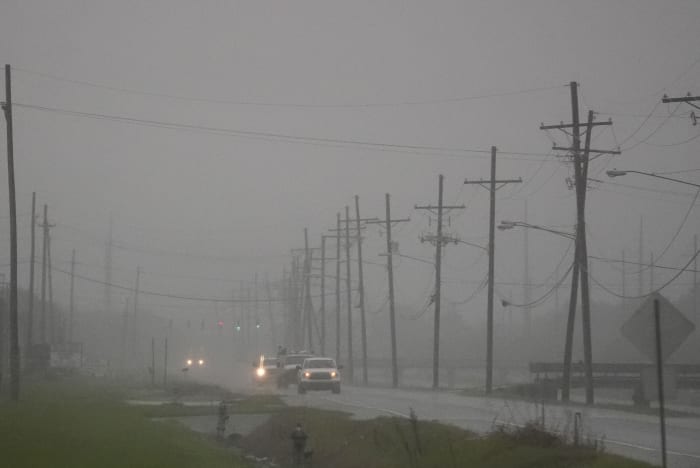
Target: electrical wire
point(173, 296)
point(544, 296)
point(657, 290)
point(286, 138)
point(288, 104)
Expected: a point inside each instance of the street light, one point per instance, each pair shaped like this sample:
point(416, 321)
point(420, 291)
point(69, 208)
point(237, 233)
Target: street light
point(568, 345)
point(619, 173)
point(505, 225)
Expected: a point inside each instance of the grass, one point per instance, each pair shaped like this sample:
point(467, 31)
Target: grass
point(340, 442)
point(80, 423)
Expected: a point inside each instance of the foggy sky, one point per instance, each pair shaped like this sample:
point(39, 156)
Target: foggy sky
point(387, 72)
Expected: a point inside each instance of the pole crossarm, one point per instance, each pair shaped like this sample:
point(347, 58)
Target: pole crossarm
point(444, 207)
point(362, 220)
point(596, 151)
point(503, 181)
point(687, 98)
point(563, 125)
point(402, 220)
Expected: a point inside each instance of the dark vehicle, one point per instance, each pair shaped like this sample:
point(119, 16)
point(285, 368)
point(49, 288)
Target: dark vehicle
point(318, 374)
point(288, 368)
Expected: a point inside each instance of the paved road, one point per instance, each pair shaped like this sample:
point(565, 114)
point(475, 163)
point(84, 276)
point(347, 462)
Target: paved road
point(624, 433)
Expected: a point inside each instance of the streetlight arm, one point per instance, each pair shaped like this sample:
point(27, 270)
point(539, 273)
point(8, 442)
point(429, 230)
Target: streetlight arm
point(619, 173)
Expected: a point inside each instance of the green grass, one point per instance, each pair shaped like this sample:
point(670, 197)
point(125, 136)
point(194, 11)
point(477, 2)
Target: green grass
point(80, 423)
point(340, 442)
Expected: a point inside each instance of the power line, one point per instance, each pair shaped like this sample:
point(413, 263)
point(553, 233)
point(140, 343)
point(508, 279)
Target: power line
point(642, 296)
point(289, 104)
point(170, 296)
point(286, 138)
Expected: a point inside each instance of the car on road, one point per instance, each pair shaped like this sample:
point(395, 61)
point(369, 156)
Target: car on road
point(266, 370)
point(318, 373)
point(288, 368)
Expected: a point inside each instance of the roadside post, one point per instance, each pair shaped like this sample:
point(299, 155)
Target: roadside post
point(660, 380)
point(298, 445)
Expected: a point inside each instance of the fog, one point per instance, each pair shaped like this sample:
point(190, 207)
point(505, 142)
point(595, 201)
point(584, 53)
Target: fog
point(211, 134)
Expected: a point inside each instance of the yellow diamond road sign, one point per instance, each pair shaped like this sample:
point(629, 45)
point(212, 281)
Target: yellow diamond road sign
point(639, 329)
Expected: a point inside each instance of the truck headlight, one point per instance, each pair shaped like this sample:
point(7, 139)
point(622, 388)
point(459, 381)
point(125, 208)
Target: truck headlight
point(307, 374)
point(201, 362)
point(334, 374)
point(260, 371)
point(189, 362)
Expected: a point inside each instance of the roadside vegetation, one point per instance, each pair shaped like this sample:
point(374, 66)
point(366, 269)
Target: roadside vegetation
point(338, 441)
point(83, 423)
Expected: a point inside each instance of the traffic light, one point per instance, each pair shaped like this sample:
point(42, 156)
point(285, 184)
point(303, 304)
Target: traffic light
point(257, 324)
point(220, 324)
point(237, 326)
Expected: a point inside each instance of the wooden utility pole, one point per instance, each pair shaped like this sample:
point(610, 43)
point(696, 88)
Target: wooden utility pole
point(108, 268)
point(165, 364)
point(337, 289)
point(581, 273)
point(44, 252)
point(695, 280)
point(351, 366)
point(390, 272)
point(51, 312)
point(136, 337)
point(527, 297)
point(71, 312)
point(153, 362)
point(125, 333)
point(30, 305)
point(624, 281)
point(270, 316)
point(640, 279)
point(439, 240)
point(492, 247)
point(323, 296)
point(651, 272)
point(361, 290)
point(307, 289)
point(14, 323)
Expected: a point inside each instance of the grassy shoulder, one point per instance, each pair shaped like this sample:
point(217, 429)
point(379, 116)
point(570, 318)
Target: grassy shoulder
point(84, 423)
point(341, 442)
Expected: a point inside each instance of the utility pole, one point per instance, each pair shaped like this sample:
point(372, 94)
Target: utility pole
point(351, 366)
point(72, 301)
point(44, 252)
point(492, 247)
point(361, 288)
point(337, 289)
point(125, 333)
point(323, 295)
point(165, 364)
point(14, 323)
point(439, 240)
point(108, 268)
point(271, 318)
point(153, 362)
point(695, 280)
point(307, 288)
point(581, 272)
point(136, 337)
point(30, 308)
point(390, 272)
point(527, 297)
point(624, 281)
point(640, 288)
point(651, 272)
point(52, 318)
